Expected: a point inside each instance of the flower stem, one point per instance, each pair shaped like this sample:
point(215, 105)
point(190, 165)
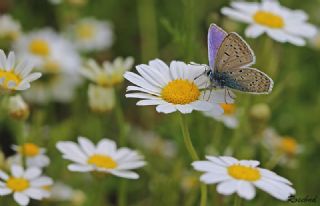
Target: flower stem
point(193, 154)
point(237, 201)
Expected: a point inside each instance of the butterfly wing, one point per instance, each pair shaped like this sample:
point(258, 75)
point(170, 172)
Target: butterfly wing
point(233, 53)
point(248, 80)
point(215, 37)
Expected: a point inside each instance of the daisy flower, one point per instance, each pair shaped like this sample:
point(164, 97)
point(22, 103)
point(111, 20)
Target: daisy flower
point(241, 177)
point(284, 148)
point(33, 154)
point(110, 73)
point(90, 34)
point(104, 157)
point(229, 116)
point(280, 23)
point(24, 184)
point(174, 87)
point(15, 76)
point(9, 28)
point(49, 51)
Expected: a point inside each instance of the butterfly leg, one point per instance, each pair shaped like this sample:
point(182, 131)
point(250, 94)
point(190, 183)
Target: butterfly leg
point(229, 94)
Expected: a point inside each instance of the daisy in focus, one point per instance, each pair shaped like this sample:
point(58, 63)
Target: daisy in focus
point(15, 76)
point(241, 177)
point(111, 73)
point(24, 184)
point(173, 88)
point(90, 34)
point(9, 28)
point(280, 23)
point(104, 157)
point(33, 154)
point(229, 116)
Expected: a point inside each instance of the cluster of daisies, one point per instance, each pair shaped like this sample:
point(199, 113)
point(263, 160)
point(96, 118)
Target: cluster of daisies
point(177, 87)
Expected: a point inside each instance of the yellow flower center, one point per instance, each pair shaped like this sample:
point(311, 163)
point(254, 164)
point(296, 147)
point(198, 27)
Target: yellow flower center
point(39, 47)
point(288, 145)
point(103, 80)
point(229, 109)
point(241, 172)
point(17, 184)
point(180, 91)
point(268, 19)
point(9, 77)
point(30, 150)
point(102, 161)
point(85, 31)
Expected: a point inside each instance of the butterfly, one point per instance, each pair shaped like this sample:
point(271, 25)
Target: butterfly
point(230, 58)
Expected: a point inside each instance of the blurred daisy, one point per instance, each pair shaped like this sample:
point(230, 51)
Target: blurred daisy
point(18, 108)
point(58, 88)
point(49, 51)
point(234, 176)
point(15, 76)
point(280, 23)
point(90, 34)
point(9, 28)
point(229, 116)
point(62, 192)
point(283, 148)
point(315, 41)
point(104, 157)
point(173, 88)
point(24, 184)
point(33, 154)
point(110, 73)
point(101, 99)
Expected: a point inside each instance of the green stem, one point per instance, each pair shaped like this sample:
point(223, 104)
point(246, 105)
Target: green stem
point(237, 201)
point(273, 161)
point(122, 200)
point(193, 154)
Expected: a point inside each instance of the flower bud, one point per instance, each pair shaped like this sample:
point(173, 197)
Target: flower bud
point(101, 99)
point(18, 108)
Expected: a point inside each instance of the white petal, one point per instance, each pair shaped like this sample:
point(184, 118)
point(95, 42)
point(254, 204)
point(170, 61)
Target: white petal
point(147, 102)
point(125, 174)
point(304, 30)
point(86, 145)
point(236, 15)
point(32, 77)
point(184, 109)
point(166, 108)
point(202, 105)
point(250, 163)
point(17, 170)
point(10, 61)
point(5, 191)
point(246, 190)
point(247, 7)
point(229, 160)
point(3, 60)
point(273, 176)
point(23, 86)
point(212, 178)
point(277, 35)
point(253, 31)
point(217, 161)
point(207, 166)
point(135, 88)
point(141, 96)
point(151, 75)
point(131, 165)
point(34, 193)
point(295, 40)
point(274, 190)
point(80, 168)
point(71, 151)
point(32, 173)
point(228, 187)
point(139, 81)
point(21, 198)
point(178, 70)
point(3, 175)
point(41, 181)
point(161, 67)
point(107, 147)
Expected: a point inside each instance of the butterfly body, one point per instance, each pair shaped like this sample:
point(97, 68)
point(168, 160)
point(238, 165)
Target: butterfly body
point(230, 58)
